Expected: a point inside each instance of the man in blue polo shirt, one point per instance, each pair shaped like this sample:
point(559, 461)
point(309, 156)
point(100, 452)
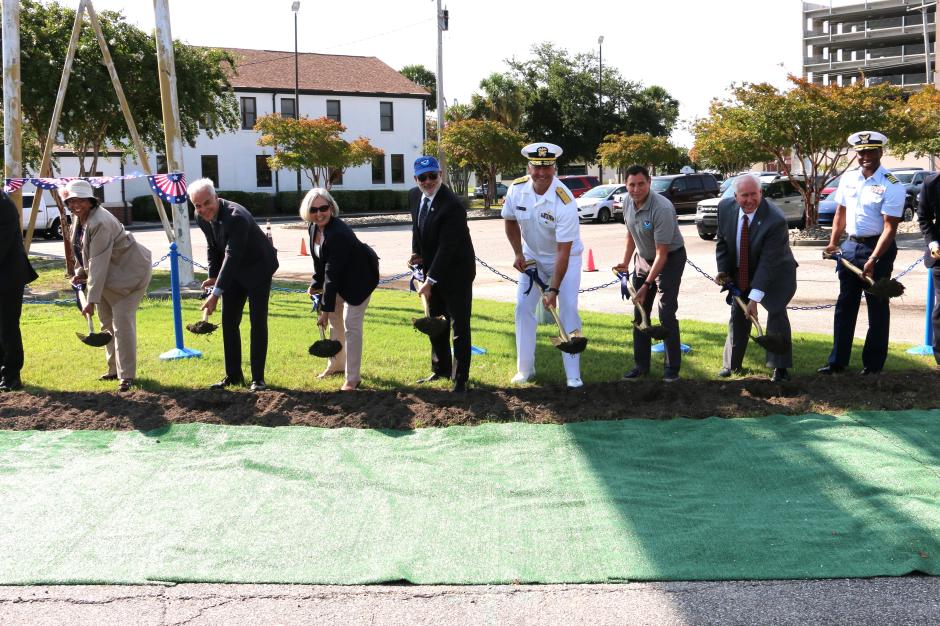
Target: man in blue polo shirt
point(870, 204)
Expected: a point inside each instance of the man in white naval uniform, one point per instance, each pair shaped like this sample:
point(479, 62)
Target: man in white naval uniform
point(541, 220)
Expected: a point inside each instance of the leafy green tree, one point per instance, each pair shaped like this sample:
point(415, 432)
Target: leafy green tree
point(502, 100)
point(918, 122)
point(420, 75)
point(91, 117)
point(621, 151)
point(809, 123)
point(483, 146)
point(314, 146)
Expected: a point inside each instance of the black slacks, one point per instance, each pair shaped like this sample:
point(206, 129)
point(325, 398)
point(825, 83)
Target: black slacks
point(11, 340)
point(454, 302)
point(233, 305)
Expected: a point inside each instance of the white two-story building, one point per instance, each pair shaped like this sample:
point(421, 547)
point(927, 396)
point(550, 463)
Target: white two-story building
point(368, 97)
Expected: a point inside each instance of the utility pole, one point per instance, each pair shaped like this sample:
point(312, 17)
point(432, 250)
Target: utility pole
point(442, 24)
point(166, 69)
point(12, 113)
point(600, 96)
point(295, 7)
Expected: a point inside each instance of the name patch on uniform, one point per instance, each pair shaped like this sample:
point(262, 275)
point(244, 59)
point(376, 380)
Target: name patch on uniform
point(520, 208)
point(547, 216)
point(647, 225)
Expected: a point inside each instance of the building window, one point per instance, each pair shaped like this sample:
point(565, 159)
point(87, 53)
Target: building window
point(287, 107)
point(378, 170)
point(161, 164)
point(386, 121)
point(249, 113)
point(398, 168)
point(210, 168)
point(333, 110)
point(262, 170)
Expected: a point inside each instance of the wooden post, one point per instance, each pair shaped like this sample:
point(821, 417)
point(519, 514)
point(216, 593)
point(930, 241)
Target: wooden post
point(12, 113)
point(131, 126)
point(45, 165)
point(166, 68)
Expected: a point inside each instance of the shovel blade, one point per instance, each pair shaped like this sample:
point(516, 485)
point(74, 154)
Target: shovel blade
point(575, 345)
point(95, 340)
point(325, 348)
point(886, 288)
point(775, 343)
point(433, 327)
point(202, 327)
point(655, 332)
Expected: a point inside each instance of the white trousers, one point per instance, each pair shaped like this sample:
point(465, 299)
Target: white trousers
point(526, 322)
point(346, 327)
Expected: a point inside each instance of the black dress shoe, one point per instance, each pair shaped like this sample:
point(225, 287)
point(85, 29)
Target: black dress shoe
point(869, 372)
point(635, 374)
point(125, 384)
point(108, 377)
point(780, 374)
point(725, 372)
point(11, 384)
point(258, 385)
point(460, 386)
point(228, 382)
point(830, 368)
point(432, 378)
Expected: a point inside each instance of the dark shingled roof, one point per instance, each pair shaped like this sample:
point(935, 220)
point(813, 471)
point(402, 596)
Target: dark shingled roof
point(271, 70)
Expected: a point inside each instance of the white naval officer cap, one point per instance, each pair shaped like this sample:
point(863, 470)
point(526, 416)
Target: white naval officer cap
point(541, 153)
point(867, 139)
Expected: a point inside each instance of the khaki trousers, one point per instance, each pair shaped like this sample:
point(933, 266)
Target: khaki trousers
point(118, 315)
point(346, 327)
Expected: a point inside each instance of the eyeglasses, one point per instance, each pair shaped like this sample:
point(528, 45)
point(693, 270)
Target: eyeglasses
point(427, 176)
point(320, 209)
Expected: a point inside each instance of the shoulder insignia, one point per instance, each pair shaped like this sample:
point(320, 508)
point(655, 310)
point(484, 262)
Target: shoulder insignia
point(563, 195)
point(891, 178)
point(520, 180)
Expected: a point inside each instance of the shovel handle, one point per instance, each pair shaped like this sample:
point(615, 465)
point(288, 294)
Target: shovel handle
point(753, 318)
point(561, 330)
point(856, 271)
point(426, 305)
point(644, 317)
point(84, 302)
point(205, 315)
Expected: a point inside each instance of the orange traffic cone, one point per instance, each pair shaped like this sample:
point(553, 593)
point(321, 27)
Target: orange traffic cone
point(303, 247)
point(590, 263)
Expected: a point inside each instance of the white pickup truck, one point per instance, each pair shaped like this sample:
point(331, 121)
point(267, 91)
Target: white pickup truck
point(48, 223)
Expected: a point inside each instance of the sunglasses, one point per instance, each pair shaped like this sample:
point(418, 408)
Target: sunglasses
point(320, 209)
point(427, 176)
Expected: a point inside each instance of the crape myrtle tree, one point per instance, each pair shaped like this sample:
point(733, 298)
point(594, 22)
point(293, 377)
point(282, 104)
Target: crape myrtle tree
point(482, 146)
point(313, 146)
point(809, 122)
point(92, 120)
point(620, 151)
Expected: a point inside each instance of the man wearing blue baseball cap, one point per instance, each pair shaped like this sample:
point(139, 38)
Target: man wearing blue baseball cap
point(441, 246)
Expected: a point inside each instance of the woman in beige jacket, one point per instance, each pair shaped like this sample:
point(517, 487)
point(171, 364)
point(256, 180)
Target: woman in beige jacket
point(115, 270)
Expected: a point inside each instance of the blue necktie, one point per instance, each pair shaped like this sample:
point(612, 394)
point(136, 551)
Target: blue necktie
point(423, 213)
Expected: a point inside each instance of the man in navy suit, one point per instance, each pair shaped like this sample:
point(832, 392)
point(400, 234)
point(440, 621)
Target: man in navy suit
point(241, 264)
point(17, 273)
point(753, 252)
point(440, 243)
point(928, 217)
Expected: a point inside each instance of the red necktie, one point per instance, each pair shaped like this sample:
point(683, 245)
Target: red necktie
point(744, 280)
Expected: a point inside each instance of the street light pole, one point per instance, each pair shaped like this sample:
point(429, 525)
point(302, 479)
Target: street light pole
point(295, 7)
point(442, 25)
point(600, 95)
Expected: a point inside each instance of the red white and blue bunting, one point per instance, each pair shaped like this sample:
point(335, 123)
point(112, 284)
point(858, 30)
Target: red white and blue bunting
point(171, 187)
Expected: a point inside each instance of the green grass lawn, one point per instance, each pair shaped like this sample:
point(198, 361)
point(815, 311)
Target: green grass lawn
point(394, 355)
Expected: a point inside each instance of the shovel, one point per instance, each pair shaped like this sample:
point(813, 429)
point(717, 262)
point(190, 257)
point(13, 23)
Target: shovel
point(884, 288)
point(569, 343)
point(324, 348)
point(93, 339)
point(776, 343)
point(656, 332)
point(433, 327)
point(203, 326)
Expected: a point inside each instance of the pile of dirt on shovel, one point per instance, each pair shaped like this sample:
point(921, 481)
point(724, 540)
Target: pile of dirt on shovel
point(414, 408)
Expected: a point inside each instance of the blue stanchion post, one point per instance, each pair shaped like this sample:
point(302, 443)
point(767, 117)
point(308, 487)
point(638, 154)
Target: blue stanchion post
point(180, 351)
point(926, 349)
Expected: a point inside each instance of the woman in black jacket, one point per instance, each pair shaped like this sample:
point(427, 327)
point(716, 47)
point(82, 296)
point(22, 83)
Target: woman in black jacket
point(346, 271)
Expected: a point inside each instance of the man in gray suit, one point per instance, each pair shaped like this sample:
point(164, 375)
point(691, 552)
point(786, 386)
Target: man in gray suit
point(753, 252)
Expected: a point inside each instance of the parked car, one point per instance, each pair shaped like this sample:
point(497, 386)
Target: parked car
point(830, 187)
point(579, 185)
point(826, 212)
point(913, 180)
point(480, 191)
point(776, 188)
point(685, 191)
point(598, 203)
point(48, 223)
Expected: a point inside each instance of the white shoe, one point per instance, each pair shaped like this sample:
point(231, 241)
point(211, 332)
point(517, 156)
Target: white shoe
point(520, 378)
point(574, 383)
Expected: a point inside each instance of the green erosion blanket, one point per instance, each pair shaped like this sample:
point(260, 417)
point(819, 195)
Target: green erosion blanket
point(783, 497)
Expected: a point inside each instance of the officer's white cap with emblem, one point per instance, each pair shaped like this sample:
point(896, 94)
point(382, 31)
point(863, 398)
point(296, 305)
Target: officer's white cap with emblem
point(541, 153)
point(867, 139)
